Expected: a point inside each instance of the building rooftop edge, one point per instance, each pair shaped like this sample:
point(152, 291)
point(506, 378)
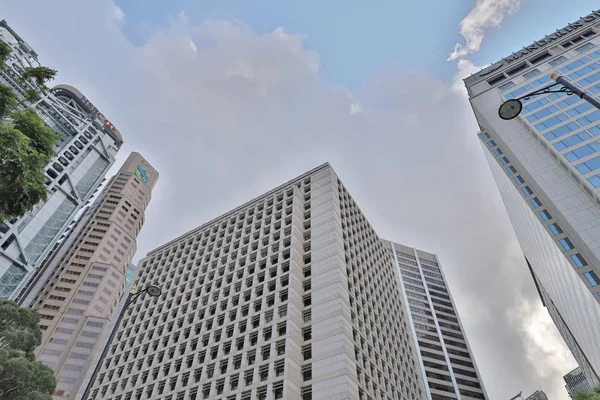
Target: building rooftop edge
point(229, 213)
point(499, 65)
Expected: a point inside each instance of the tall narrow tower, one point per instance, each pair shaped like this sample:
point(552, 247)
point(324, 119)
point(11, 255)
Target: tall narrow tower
point(289, 296)
point(445, 357)
point(86, 151)
point(87, 275)
point(546, 163)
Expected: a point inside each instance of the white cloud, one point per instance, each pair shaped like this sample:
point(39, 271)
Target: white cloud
point(484, 15)
point(464, 68)
point(248, 111)
point(118, 14)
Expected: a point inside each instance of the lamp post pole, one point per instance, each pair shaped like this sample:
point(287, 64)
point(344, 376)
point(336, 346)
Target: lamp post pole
point(510, 109)
point(153, 291)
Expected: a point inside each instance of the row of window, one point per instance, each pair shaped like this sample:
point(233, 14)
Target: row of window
point(553, 227)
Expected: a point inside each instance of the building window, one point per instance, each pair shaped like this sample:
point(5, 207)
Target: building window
point(526, 191)
point(535, 202)
point(592, 278)
point(555, 229)
point(566, 244)
point(578, 260)
point(545, 215)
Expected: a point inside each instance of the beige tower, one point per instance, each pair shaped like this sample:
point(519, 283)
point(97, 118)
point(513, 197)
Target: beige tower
point(86, 277)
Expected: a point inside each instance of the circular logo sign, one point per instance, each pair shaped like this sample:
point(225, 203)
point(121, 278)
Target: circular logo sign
point(142, 173)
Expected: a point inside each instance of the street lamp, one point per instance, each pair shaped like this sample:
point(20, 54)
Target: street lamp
point(153, 291)
point(511, 108)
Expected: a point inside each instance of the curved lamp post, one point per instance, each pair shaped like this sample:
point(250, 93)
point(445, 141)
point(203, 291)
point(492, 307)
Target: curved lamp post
point(510, 109)
point(153, 291)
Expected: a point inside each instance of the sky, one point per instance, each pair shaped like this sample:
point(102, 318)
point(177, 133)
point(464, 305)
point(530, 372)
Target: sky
point(229, 99)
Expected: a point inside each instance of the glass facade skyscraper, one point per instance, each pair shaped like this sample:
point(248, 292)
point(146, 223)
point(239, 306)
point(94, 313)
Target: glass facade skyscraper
point(547, 167)
point(445, 357)
point(84, 154)
point(575, 382)
point(289, 296)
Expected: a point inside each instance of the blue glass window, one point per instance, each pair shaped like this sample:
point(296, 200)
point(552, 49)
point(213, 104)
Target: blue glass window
point(545, 215)
point(561, 130)
point(566, 244)
point(555, 229)
point(550, 122)
point(578, 260)
point(582, 151)
point(594, 89)
point(588, 119)
point(572, 140)
point(535, 105)
point(511, 170)
point(504, 160)
point(585, 47)
point(594, 180)
point(575, 64)
point(519, 180)
point(542, 113)
point(507, 85)
point(595, 54)
point(584, 71)
point(579, 109)
point(491, 143)
point(485, 135)
point(518, 92)
point(541, 81)
point(557, 61)
point(594, 130)
point(535, 202)
point(589, 80)
point(526, 191)
point(592, 278)
point(497, 151)
point(569, 101)
point(589, 165)
point(531, 74)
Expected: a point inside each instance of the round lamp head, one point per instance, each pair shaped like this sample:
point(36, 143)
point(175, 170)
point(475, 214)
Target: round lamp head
point(153, 291)
point(510, 109)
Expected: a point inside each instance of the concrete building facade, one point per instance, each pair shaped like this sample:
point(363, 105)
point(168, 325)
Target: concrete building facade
point(289, 296)
point(87, 275)
point(546, 166)
point(84, 154)
point(575, 382)
point(447, 364)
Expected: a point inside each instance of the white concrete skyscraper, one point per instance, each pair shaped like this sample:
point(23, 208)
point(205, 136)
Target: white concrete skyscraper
point(547, 167)
point(84, 154)
point(289, 296)
point(445, 357)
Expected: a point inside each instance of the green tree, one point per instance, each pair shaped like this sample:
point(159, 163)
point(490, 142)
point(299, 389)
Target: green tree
point(38, 76)
point(21, 377)
point(4, 53)
point(26, 143)
point(588, 394)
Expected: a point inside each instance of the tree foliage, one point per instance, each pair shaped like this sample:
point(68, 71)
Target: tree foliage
point(26, 143)
point(19, 327)
point(588, 394)
point(38, 76)
point(4, 53)
point(21, 377)
point(22, 179)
